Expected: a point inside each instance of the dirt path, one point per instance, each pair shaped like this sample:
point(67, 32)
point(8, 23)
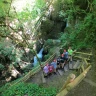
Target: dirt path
point(90, 82)
point(53, 80)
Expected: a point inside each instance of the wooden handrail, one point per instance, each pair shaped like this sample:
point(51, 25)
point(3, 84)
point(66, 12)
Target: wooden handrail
point(83, 53)
point(34, 70)
point(74, 83)
point(81, 57)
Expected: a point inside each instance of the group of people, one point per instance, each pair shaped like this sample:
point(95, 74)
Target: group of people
point(59, 62)
point(50, 68)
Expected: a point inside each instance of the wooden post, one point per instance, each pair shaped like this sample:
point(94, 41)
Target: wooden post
point(74, 83)
point(85, 61)
point(69, 79)
point(82, 68)
point(78, 79)
point(81, 57)
point(84, 53)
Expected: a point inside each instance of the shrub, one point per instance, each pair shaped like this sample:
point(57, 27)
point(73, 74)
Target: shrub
point(22, 89)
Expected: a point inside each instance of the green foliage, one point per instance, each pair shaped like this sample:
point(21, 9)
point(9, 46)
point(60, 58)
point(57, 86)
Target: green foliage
point(9, 54)
point(40, 4)
point(1, 67)
point(27, 15)
point(81, 33)
point(72, 8)
point(4, 7)
point(46, 56)
point(62, 14)
point(22, 89)
point(6, 50)
point(64, 37)
point(89, 27)
point(31, 12)
point(49, 42)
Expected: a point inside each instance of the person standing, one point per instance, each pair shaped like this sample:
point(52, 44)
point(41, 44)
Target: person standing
point(62, 61)
point(45, 70)
point(54, 64)
point(58, 62)
point(70, 52)
point(65, 56)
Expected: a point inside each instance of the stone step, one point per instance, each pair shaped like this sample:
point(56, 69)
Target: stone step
point(66, 67)
point(60, 72)
point(70, 64)
point(77, 64)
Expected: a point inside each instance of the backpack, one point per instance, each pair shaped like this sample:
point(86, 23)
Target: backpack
point(50, 68)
